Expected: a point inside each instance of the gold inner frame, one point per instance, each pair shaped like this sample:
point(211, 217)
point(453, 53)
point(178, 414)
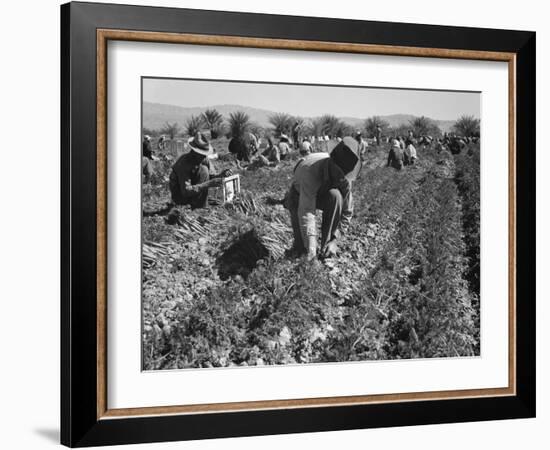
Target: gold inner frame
point(104, 35)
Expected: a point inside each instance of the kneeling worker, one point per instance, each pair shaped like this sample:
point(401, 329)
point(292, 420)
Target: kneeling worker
point(193, 174)
point(323, 181)
point(395, 155)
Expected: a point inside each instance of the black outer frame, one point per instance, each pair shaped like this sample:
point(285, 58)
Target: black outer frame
point(79, 424)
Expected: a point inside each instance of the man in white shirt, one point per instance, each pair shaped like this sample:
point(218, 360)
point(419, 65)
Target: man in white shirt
point(305, 148)
point(323, 181)
point(362, 145)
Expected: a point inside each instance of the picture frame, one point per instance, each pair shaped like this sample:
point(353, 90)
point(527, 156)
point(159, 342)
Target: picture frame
point(86, 418)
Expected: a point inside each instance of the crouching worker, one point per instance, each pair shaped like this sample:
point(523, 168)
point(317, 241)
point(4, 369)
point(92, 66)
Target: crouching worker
point(323, 181)
point(410, 156)
point(147, 159)
point(395, 156)
point(193, 174)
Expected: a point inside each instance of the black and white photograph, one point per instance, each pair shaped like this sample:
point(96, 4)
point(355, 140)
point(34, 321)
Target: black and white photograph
point(292, 224)
point(310, 251)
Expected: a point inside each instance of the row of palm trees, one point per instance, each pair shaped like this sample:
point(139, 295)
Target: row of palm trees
point(239, 122)
point(423, 126)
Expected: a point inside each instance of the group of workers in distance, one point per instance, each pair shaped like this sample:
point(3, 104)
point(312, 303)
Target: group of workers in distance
point(402, 151)
point(320, 181)
point(248, 150)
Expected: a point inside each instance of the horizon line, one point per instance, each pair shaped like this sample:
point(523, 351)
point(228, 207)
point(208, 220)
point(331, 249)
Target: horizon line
point(310, 117)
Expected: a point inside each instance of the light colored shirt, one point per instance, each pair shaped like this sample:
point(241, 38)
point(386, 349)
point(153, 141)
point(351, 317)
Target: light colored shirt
point(362, 148)
point(315, 174)
point(410, 151)
point(284, 149)
point(272, 153)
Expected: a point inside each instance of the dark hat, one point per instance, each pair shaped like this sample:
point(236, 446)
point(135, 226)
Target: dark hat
point(200, 145)
point(345, 155)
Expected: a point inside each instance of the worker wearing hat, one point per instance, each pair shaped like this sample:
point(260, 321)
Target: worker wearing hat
point(378, 134)
point(283, 146)
point(146, 148)
point(362, 150)
point(323, 181)
point(395, 155)
point(193, 174)
point(305, 147)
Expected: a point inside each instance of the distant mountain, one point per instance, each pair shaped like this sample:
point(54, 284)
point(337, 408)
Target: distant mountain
point(155, 115)
point(398, 119)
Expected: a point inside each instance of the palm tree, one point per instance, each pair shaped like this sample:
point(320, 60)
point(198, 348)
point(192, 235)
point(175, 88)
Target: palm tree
point(239, 123)
point(401, 130)
point(316, 127)
point(256, 129)
point(467, 126)
point(193, 125)
point(150, 131)
point(329, 124)
point(342, 129)
point(422, 126)
point(281, 123)
point(171, 129)
point(213, 121)
point(372, 123)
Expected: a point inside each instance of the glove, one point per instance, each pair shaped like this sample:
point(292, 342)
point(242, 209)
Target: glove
point(330, 250)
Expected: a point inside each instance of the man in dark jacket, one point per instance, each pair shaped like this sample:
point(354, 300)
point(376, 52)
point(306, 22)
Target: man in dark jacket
point(193, 174)
point(146, 149)
point(296, 135)
point(378, 135)
point(146, 158)
point(456, 145)
point(244, 146)
point(395, 156)
point(161, 144)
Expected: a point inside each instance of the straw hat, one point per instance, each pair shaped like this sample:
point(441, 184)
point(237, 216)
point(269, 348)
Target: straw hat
point(199, 144)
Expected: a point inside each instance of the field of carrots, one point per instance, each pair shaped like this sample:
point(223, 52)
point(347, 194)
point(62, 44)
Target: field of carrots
point(219, 289)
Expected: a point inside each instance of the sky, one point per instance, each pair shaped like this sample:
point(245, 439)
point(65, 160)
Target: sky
point(311, 100)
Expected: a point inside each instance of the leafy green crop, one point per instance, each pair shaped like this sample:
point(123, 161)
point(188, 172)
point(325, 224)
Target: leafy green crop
point(218, 289)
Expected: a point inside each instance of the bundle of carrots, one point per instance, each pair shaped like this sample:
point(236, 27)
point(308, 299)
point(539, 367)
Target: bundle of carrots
point(152, 251)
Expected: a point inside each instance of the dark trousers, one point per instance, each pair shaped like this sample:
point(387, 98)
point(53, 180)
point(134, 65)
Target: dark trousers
point(395, 160)
point(330, 202)
point(146, 169)
point(196, 200)
point(397, 164)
